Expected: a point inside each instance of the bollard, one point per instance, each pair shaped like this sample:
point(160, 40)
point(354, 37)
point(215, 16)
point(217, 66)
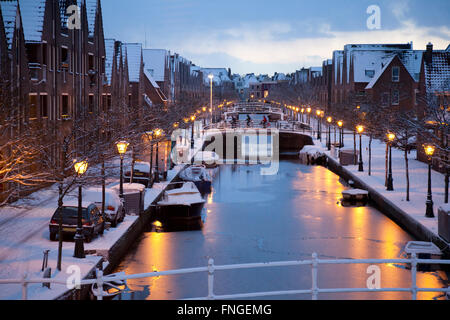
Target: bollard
point(45, 260)
point(211, 279)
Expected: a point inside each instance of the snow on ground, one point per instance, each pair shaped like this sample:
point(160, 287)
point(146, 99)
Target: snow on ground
point(418, 173)
point(24, 236)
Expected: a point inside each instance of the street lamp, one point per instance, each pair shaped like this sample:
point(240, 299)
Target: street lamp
point(122, 149)
point(303, 111)
point(429, 151)
point(341, 133)
point(211, 77)
point(80, 169)
point(329, 120)
point(360, 130)
point(319, 136)
point(390, 181)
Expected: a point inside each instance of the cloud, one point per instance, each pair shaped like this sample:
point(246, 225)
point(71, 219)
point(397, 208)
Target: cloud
point(274, 44)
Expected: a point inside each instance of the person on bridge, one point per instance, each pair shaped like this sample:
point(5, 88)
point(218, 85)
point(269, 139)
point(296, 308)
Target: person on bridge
point(264, 122)
point(249, 120)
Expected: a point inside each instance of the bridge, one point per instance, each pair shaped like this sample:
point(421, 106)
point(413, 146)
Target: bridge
point(285, 136)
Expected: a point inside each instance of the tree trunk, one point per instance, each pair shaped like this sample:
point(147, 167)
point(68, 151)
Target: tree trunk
point(370, 154)
point(407, 174)
point(103, 186)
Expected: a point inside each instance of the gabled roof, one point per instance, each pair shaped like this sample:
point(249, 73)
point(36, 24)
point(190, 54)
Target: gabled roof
point(220, 75)
point(33, 19)
point(9, 14)
point(134, 58)
point(155, 62)
point(380, 72)
point(109, 58)
point(91, 11)
point(437, 73)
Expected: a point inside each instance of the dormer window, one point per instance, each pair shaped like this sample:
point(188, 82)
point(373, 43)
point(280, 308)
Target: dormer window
point(395, 74)
point(370, 73)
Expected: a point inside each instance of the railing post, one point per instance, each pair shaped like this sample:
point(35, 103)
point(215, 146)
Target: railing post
point(99, 284)
point(211, 279)
point(414, 276)
point(24, 287)
point(315, 289)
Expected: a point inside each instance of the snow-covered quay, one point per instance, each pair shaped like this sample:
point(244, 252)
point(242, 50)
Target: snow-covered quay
point(409, 214)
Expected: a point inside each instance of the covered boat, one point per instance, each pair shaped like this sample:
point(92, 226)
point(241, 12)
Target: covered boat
point(181, 204)
point(199, 176)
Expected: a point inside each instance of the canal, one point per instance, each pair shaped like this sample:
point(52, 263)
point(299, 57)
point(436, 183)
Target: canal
point(288, 216)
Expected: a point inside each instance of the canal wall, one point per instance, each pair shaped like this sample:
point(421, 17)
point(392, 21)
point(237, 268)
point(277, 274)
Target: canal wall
point(388, 208)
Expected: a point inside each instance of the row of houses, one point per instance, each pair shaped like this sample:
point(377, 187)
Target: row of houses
point(385, 74)
point(383, 77)
point(57, 67)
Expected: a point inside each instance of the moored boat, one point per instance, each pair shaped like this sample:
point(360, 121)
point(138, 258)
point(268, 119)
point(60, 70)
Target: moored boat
point(199, 176)
point(181, 204)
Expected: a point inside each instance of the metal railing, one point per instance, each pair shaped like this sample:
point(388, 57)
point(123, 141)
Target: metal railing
point(210, 269)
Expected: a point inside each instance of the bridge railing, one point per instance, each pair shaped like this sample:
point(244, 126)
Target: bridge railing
point(211, 269)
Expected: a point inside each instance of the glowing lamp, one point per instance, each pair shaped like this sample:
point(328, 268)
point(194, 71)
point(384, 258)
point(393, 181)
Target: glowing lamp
point(391, 137)
point(80, 167)
point(360, 129)
point(122, 147)
point(429, 150)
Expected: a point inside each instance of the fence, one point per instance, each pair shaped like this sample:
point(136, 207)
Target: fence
point(211, 269)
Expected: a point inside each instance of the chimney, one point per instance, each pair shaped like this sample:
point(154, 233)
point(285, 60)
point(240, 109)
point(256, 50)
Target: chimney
point(429, 53)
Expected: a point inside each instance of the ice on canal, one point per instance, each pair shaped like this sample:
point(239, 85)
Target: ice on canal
point(288, 216)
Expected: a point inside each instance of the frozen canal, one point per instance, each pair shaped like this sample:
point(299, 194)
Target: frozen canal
point(288, 216)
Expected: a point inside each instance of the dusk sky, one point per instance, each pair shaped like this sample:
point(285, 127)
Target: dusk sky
point(267, 36)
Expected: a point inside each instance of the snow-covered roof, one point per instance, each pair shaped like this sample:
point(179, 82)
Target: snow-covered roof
point(9, 13)
point(155, 63)
point(338, 64)
point(91, 10)
point(365, 56)
point(109, 58)
point(437, 73)
point(412, 60)
point(134, 56)
point(150, 78)
point(379, 72)
point(32, 12)
point(220, 75)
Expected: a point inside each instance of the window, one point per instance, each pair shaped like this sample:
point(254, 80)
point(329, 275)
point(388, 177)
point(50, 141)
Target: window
point(64, 58)
point(44, 54)
point(370, 73)
point(44, 105)
point(395, 74)
point(65, 108)
point(91, 62)
point(33, 101)
point(395, 97)
point(91, 103)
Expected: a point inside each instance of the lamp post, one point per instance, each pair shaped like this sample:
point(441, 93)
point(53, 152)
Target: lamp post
point(319, 129)
point(303, 111)
point(341, 133)
point(309, 115)
point(390, 180)
point(122, 149)
point(429, 151)
point(211, 77)
point(329, 120)
point(80, 169)
point(360, 130)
